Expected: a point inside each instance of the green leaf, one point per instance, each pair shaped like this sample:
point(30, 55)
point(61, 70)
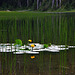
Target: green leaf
point(18, 42)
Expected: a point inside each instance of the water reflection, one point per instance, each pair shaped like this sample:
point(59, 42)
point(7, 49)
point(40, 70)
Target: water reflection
point(44, 63)
point(55, 28)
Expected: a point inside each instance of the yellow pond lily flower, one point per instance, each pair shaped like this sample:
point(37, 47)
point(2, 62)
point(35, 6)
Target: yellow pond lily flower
point(30, 40)
point(32, 45)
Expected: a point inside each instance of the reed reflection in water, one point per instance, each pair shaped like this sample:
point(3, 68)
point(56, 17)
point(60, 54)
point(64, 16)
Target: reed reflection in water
point(55, 28)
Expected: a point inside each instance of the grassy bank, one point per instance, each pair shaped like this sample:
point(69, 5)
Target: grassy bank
point(70, 11)
point(22, 14)
point(9, 14)
point(27, 11)
point(59, 10)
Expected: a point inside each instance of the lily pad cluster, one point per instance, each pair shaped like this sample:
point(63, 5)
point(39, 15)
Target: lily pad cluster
point(45, 45)
point(18, 42)
point(31, 48)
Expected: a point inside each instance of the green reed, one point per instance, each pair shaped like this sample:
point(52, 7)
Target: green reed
point(50, 66)
point(42, 31)
point(25, 64)
point(49, 28)
point(41, 57)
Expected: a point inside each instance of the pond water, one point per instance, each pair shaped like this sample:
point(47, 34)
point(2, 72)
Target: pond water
point(51, 28)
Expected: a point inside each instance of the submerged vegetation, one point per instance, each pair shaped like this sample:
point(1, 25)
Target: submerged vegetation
point(49, 44)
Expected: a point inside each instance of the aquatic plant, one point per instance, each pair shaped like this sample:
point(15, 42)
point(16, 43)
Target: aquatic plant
point(18, 42)
point(32, 45)
point(45, 45)
point(49, 44)
point(30, 40)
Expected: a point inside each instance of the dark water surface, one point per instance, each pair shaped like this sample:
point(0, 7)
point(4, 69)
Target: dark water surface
point(55, 29)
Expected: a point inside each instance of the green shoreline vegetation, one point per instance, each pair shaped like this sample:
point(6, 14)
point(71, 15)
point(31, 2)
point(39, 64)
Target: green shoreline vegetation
point(31, 13)
point(39, 11)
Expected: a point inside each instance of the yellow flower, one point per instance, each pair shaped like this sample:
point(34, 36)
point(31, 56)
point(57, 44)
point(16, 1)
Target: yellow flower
point(30, 40)
point(32, 57)
point(32, 45)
